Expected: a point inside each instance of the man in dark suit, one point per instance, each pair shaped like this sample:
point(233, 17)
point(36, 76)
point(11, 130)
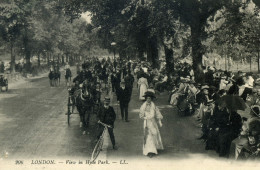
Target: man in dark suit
point(124, 98)
point(107, 115)
point(129, 81)
point(117, 80)
point(113, 81)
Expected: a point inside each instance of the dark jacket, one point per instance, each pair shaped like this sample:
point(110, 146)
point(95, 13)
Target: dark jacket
point(201, 98)
point(233, 90)
point(209, 78)
point(235, 123)
point(107, 116)
point(221, 119)
point(123, 95)
point(113, 79)
point(129, 80)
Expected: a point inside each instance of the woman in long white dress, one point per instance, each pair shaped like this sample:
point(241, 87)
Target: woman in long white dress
point(142, 87)
point(151, 116)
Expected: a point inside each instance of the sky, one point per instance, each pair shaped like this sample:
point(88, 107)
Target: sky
point(86, 16)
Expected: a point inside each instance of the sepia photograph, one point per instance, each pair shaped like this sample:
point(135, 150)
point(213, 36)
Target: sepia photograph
point(129, 84)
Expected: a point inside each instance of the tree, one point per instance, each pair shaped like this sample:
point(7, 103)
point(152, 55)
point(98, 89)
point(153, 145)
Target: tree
point(11, 25)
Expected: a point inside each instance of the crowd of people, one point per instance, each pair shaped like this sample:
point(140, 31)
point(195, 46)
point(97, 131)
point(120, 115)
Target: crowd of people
point(98, 77)
point(219, 102)
point(225, 104)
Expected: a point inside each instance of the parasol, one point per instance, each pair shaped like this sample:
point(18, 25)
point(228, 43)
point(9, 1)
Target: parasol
point(146, 131)
point(232, 102)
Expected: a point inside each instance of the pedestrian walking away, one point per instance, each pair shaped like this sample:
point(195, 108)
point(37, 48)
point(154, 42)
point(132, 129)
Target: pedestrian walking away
point(142, 86)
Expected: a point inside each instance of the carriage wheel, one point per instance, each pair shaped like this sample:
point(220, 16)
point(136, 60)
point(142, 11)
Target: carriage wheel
point(68, 118)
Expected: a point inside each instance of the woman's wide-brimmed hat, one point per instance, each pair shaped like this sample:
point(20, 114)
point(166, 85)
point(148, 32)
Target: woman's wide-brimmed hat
point(255, 109)
point(204, 87)
point(149, 94)
point(184, 80)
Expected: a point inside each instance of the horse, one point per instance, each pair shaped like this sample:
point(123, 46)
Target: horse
point(56, 77)
point(68, 76)
point(84, 103)
point(51, 77)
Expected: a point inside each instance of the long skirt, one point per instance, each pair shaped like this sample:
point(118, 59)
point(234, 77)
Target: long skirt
point(143, 89)
point(152, 137)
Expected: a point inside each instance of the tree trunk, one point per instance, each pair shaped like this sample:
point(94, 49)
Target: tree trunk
point(152, 52)
point(58, 59)
point(122, 55)
point(70, 59)
point(169, 60)
point(12, 66)
point(258, 62)
point(67, 58)
point(48, 58)
point(62, 60)
point(27, 52)
point(141, 54)
point(197, 52)
point(39, 60)
point(250, 63)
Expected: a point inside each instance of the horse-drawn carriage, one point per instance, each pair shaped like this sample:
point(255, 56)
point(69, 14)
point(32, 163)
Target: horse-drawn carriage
point(68, 75)
point(3, 83)
point(86, 101)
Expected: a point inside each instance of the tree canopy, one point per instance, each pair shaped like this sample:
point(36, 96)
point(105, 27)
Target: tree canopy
point(139, 28)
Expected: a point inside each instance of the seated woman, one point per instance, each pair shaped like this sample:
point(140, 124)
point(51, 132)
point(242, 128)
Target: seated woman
point(229, 125)
point(251, 149)
point(203, 100)
point(242, 140)
point(223, 83)
point(182, 89)
point(161, 82)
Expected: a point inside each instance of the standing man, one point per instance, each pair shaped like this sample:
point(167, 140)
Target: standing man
point(124, 98)
point(124, 71)
point(129, 81)
point(113, 81)
point(117, 81)
point(107, 115)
